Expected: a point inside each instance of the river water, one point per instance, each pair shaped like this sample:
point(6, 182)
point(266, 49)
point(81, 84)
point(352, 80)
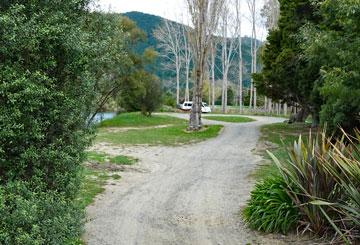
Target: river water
point(101, 116)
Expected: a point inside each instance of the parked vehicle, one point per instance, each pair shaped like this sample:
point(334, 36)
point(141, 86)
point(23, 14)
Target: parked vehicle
point(187, 105)
point(205, 108)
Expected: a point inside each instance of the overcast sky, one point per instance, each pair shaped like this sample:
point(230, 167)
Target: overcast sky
point(173, 10)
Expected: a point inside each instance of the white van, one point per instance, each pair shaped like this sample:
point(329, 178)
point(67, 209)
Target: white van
point(187, 105)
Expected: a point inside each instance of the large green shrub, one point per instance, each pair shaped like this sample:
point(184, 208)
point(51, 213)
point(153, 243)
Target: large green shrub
point(44, 102)
point(37, 217)
point(270, 209)
point(334, 46)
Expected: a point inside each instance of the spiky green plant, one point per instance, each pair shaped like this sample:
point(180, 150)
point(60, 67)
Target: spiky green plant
point(323, 180)
point(270, 209)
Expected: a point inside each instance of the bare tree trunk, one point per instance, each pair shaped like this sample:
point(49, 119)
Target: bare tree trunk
point(251, 94)
point(265, 104)
point(213, 54)
point(177, 80)
point(187, 92)
point(252, 8)
point(227, 26)
point(315, 119)
point(239, 21)
point(299, 116)
point(187, 55)
point(223, 89)
point(195, 122)
point(169, 36)
point(204, 15)
point(269, 106)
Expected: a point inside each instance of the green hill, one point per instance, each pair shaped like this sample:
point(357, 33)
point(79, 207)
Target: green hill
point(148, 23)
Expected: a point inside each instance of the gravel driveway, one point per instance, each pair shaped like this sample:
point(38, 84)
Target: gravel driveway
point(182, 195)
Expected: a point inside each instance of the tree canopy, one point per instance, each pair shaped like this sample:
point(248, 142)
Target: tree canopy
point(286, 75)
point(333, 45)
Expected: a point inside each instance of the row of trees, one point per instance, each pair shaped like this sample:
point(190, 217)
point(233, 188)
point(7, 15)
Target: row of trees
point(225, 48)
point(59, 63)
point(310, 60)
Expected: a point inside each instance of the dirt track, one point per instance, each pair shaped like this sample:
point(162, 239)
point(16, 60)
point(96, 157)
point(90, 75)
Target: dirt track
point(182, 195)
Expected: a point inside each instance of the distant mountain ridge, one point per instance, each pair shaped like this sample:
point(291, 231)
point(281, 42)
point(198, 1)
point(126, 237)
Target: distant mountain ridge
point(148, 23)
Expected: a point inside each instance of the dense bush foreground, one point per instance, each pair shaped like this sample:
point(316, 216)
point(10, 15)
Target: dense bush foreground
point(321, 180)
point(44, 98)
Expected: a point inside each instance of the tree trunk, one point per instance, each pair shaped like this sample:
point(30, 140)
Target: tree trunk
point(251, 94)
point(213, 90)
point(269, 108)
point(213, 50)
point(195, 115)
point(177, 83)
point(187, 94)
point(285, 109)
point(300, 116)
point(315, 119)
point(224, 92)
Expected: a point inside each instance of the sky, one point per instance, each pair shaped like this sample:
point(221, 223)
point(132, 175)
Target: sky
point(174, 10)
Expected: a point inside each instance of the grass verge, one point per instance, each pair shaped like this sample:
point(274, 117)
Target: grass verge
point(94, 179)
point(276, 138)
point(172, 135)
point(232, 119)
point(92, 185)
point(100, 158)
point(136, 119)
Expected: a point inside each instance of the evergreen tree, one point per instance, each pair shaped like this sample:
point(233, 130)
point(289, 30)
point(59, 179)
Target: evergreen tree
point(287, 76)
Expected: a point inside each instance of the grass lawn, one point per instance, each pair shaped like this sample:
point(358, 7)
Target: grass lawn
point(92, 184)
point(138, 120)
point(232, 119)
point(123, 160)
point(101, 157)
point(95, 179)
point(96, 156)
point(172, 135)
point(282, 135)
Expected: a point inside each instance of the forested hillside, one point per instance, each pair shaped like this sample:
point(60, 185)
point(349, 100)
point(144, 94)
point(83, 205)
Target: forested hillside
point(148, 23)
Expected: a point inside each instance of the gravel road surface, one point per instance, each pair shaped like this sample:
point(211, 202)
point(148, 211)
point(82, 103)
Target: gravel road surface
point(188, 194)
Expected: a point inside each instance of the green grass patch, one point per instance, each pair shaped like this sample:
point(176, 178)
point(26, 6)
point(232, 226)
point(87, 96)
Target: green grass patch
point(99, 157)
point(94, 179)
point(138, 120)
point(281, 135)
point(92, 184)
point(232, 119)
point(123, 160)
point(172, 135)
